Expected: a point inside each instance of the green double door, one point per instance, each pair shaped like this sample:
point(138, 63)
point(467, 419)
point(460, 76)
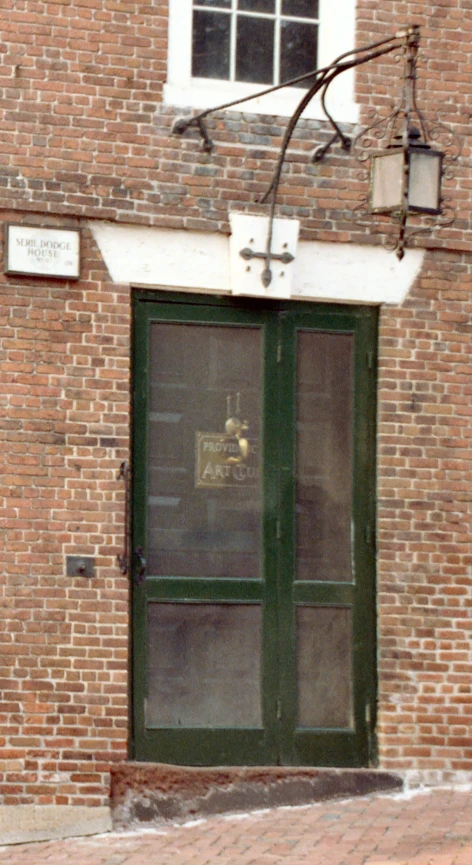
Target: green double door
point(253, 529)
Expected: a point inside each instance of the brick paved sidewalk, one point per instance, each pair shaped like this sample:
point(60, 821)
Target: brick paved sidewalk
point(427, 828)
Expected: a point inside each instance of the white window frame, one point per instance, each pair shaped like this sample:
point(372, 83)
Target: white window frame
point(335, 36)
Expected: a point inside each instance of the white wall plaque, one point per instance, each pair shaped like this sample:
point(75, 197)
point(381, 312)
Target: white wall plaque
point(42, 251)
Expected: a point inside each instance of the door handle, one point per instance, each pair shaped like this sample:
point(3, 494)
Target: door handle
point(141, 564)
point(123, 559)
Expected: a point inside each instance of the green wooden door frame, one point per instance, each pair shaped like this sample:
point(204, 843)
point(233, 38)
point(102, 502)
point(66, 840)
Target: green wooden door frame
point(278, 740)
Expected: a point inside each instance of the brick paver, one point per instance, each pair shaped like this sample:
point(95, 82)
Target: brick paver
point(425, 828)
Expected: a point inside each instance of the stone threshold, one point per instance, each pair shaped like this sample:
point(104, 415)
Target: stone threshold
point(152, 793)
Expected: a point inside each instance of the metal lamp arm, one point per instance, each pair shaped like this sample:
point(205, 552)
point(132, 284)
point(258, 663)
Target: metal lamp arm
point(407, 39)
point(369, 52)
point(323, 83)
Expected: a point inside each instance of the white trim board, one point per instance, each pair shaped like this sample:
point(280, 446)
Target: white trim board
point(200, 261)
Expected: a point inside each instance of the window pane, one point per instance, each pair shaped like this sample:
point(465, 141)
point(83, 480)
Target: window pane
point(298, 52)
point(203, 435)
point(204, 667)
point(255, 50)
point(220, 4)
point(267, 6)
point(300, 8)
point(324, 456)
point(210, 48)
point(324, 667)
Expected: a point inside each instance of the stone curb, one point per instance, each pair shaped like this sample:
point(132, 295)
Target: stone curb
point(20, 824)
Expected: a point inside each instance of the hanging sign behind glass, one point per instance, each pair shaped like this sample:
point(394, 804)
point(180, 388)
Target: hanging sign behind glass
point(225, 461)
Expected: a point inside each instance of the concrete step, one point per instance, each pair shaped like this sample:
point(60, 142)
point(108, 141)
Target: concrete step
point(151, 793)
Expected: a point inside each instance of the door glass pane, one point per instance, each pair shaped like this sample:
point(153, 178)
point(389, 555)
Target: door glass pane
point(324, 456)
point(203, 474)
point(204, 665)
point(324, 676)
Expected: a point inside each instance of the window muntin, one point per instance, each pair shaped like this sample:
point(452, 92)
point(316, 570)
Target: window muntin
point(256, 41)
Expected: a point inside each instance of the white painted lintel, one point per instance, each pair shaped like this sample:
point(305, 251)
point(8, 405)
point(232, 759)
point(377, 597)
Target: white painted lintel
point(200, 261)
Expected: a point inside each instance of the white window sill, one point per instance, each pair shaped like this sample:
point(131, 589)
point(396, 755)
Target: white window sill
point(207, 93)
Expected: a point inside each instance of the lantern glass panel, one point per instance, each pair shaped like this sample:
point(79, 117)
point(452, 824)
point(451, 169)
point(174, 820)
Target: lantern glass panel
point(387, 182)
point(424, 189)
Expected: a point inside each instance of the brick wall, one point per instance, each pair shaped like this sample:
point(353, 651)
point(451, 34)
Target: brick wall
point(64, 403)
point(85, 136)
point(425, 524)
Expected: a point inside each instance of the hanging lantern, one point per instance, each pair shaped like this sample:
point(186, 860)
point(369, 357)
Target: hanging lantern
point(407, 179)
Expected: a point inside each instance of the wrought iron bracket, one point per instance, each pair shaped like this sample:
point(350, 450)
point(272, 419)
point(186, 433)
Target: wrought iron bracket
point(140, 574)
point(181, 124)
point(318, 83)
point(268, 256)
point(284, 257)
point(320, 152)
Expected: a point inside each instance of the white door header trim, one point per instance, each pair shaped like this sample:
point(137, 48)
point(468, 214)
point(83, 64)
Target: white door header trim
point(200, 261)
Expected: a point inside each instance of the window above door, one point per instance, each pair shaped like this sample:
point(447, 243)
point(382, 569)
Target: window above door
point(221, 50)
point(254, 41)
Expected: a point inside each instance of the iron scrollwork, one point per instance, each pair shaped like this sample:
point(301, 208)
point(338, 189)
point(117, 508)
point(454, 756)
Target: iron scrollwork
point(406, 43)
